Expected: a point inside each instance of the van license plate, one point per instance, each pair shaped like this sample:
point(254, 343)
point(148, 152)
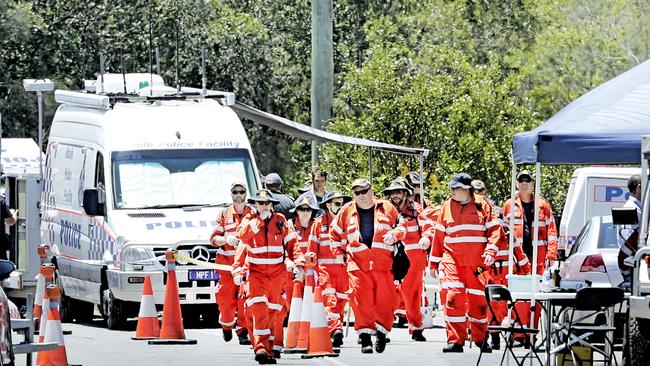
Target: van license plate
point(203, 275)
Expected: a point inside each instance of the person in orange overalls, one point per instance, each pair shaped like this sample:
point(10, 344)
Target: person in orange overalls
point(331, 270)
point(362, 227)
point(466, 238)
point(304, 211)
point(416, 244)
point(271, 249)
point(224, 238)
point(524, 214)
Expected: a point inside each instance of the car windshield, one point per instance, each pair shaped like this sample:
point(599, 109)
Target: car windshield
point(178, 178)
point(607, 238)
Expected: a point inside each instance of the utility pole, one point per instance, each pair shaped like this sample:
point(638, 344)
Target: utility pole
point(322, 68)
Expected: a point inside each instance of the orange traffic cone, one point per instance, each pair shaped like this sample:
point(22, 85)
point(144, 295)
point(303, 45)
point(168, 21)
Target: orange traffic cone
point(172, 331)
point(47, 271)
point(148, 325)
point(293, 325)
point(320, 344)
point(305, 312)
point(53, 332)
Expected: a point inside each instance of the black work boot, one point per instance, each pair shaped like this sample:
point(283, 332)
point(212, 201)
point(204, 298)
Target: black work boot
point(380, 343)
point(227, 335)
point(243, 338)
point(261, 357)
point(337, 338)
point(366, 343)
point(277, 354)
point(495, 341)
point(484, 346)
point(417, 336)
point(453, 348)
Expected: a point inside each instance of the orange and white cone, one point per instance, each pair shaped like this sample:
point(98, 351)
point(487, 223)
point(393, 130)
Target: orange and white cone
point(47, 271)
point(172, 331)
point(305, 312)
point(320, 343)
point(148, 325)
point(53, 332)
point(293, 325)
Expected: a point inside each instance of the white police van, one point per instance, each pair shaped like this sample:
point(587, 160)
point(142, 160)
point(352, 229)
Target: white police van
point(593, 191)
point(132, 170)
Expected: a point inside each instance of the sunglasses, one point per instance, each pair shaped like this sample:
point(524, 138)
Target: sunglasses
point(264, 203)
point(337, 204)
point(525, 180)
point(362, 191)
point(303, 209)
point(238, 192)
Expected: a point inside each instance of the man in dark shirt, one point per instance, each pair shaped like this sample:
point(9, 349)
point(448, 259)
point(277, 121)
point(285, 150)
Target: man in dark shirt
point(529, 216)
point(8, 218)
point(273, 182)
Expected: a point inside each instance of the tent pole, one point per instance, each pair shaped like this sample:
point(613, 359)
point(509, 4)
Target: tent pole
point(535, 228)
point(421, 179)
point(370, 164)
point(511, 218)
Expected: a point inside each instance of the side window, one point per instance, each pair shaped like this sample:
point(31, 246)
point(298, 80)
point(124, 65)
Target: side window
point(581, 238)
point(99, 171)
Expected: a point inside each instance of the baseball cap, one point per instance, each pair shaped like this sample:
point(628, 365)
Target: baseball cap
point(360, 183)
point(524, 174)
point(461, 180)
point(478, 184)
point(273, 178)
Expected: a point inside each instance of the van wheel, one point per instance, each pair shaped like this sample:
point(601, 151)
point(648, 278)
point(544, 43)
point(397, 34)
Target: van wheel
point(639, 341)
point(65, 308)
point(84, 312)
point(113, 311)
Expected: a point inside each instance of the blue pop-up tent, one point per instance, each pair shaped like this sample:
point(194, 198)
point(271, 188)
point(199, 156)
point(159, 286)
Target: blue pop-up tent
point(603, 126)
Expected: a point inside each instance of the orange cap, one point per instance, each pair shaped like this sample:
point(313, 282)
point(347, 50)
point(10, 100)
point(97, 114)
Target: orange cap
point(169, 256)
point(47, 270)
point(53, 292)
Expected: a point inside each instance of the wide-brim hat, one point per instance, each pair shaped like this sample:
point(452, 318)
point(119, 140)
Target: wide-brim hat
point(305, 199)
point(396, 186)
point(414, 178)
point(461, 180)
point(306, 187)
point(263, 195)
point(334, 195)
point(405, 182)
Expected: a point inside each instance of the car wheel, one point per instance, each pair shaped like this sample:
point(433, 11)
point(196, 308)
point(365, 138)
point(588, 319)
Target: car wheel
point(639, 341)
point(113, 311)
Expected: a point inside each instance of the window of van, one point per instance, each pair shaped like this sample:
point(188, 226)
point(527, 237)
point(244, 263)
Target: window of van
point(176, 178)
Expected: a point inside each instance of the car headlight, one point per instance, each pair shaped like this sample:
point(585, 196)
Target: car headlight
point(136, 258)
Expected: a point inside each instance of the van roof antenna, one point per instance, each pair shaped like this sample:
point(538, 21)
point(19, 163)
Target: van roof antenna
point(157, 60)
point(204, 80)
point(123, 72)
point(150, 55)
point(102, 60)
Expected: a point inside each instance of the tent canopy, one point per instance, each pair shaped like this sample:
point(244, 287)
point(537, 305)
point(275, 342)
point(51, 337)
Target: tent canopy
point(313, 134)
point(603, 126)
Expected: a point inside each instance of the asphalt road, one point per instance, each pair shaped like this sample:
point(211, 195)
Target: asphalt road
point(92, 344)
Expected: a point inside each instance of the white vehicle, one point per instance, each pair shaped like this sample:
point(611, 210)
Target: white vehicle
point(593, 191)
point(128, 176)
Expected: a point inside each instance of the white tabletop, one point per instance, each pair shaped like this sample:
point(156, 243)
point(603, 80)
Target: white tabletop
point(544, 296)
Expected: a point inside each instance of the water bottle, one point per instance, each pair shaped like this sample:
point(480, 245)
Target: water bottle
point(547, 281)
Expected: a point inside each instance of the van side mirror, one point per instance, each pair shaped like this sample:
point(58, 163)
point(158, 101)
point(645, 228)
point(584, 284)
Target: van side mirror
point(624, 216)
point(93, 202)
point(6, 267)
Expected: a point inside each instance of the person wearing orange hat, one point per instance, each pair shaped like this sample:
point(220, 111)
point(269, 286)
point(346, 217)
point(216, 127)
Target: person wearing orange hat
point(271, 249)
point(224, 238)
point(331, 269)
point(362, 229)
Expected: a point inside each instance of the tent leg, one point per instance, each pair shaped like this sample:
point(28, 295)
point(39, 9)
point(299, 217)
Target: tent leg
point(535, 228)
point(370, 164)
point(421, 180)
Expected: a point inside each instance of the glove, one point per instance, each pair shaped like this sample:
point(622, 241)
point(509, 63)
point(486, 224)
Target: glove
point(298, 273)
point(389, 239)
point(525, 269)
point(218, 241)
point(232, 240)
point(289, 265)
point(489, 260)
point(237, 279)
point(424, 243)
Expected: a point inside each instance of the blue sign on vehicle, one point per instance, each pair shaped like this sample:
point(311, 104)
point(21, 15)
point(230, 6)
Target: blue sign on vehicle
point(203, 275)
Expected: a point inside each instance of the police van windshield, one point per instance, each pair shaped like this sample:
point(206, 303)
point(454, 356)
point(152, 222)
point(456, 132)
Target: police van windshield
point(178, 178)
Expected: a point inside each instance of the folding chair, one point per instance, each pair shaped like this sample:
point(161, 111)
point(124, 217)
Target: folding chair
point(495, 293)
point(595, 300)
